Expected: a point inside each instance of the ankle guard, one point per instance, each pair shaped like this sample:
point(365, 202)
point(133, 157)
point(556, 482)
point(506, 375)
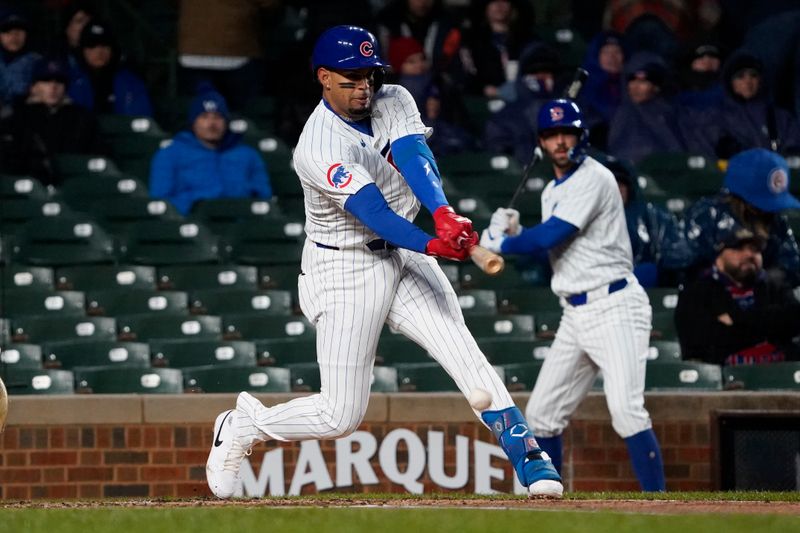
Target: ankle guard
point(511, 431)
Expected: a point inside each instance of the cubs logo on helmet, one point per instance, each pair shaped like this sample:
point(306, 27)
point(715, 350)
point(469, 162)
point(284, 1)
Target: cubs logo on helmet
point(777, 181)
point(338, 176)
point(556, 114)
point(366, 49)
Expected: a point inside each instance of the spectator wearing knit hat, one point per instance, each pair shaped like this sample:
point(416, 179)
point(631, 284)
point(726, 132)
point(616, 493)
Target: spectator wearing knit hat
point(101, 82)
point(47, 123)
point(209, 161)
point(16, 61)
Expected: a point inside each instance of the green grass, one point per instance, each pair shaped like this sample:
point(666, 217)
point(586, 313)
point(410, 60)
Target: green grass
point(372, 520)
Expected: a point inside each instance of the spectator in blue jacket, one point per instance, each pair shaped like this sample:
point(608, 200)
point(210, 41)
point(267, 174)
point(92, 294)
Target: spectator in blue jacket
point(16, 61)
point(209, 161)
point(602, 95)
point(101, 82)
point(755, 192)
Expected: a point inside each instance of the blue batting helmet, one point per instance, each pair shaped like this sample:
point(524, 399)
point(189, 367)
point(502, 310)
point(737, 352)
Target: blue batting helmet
point(563, 113)
point(346, 48)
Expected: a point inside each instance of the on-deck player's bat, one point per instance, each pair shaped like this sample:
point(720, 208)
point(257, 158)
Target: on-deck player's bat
point(571, 92)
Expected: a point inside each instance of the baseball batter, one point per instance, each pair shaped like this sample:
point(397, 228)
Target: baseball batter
point(605, 326)
point(365, 168)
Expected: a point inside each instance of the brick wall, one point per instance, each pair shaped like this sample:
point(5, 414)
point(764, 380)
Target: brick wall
point(150, 446)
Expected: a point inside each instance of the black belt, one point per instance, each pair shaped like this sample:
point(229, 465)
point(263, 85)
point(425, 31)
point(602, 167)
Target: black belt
point(582, 297)
point(377, 244)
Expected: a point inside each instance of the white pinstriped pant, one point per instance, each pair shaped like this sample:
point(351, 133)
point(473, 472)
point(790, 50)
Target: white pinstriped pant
point(349, 294)
point(610, 335)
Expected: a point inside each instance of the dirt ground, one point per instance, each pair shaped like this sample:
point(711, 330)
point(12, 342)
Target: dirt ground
point(622, 506)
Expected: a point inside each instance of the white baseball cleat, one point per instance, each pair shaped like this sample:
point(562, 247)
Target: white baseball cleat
point(546, 488)
point(225, 458)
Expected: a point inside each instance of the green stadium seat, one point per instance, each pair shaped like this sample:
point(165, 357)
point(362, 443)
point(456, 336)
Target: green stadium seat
point(278, 276)
point(17, 211)
point(146, 327)
point(395, 348)
point(84, 192)
point(188, 353)
point(527, 300)
point(547, 324)
point(104, 277)
point(284, 351)
point(771, 376)
point(201, 277)
point(427, 377)
point(521, 376)
point(458, 168)
point(62, 328)
point(471, 206)
point(112, 302)
point(71, 165)
point(519, 327)
point(251, 327)
point(23, 277)
point(384, 379)
point(163, 242)
point(41, 381)
point(477, 302)
point(685, 375)
point(663, 299)
point(451, 271)
point(304, 377)
point(22, 187)
point(516, 274)
point(117, 213)
point(128, 380)
point(61, 241)
point(245, 126)
point(506, 351)
point(479, 108)
point(116, 125)
point(20, 356)
point(220, 214)
point(233, 301)
point(71, 354)
point(663, 351)
point(42, 302)
point(683, 174)
point(266, 244)
point(569, 44)
point(261, 109)
point(5, 334)
point(283, 180)
point(235, 379)
point(664, 325)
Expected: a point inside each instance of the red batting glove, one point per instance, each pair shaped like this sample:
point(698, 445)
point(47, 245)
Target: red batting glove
point(439, 248)
point(451, 227)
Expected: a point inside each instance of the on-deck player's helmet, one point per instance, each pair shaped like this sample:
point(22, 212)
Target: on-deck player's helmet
point(346, 48)
point(563, 113)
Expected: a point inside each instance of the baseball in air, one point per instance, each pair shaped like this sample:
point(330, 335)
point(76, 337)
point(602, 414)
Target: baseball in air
point(480, 400)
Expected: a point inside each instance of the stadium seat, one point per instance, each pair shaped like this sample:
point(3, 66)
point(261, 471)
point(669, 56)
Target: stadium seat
point(663, 299)
point(39, 381)
point(117, 213)
point(104, 277)
point(427, 377)
point(112, 302)
point(547, 324)
point(147, 327)
point(163, 242)
point(233, 301)
point(304, 377)
point(220, 214)
point(477, 302)
point(42, 302)
point(516, 274)
point(200, 277)
point(384, 379)
point(62, 328)
point(395, 348)
point(19, 356)
point(527, 300)
point(187, 353)
point(5, 334)
point(22, 187)
point(235, 379)
point(23, 277)
point(285, 351)
point(479, 109)
point(61, 241)
point(568, 42)
point(506, 351)
point(664, 325)
point(684, 375)
point(278, 276)
point(521, 376)
point(519, 327)
point(128, 380)
point(471, 206)
point(771, 376)
point(683, 174)
point(251, 327)
point(71, 165)
point(266, 244)
point(460, 168)
point(663, 351)
point(70, 354)
point(83, 192)
point(16, 212)
point(451, 271)
point(116, 125)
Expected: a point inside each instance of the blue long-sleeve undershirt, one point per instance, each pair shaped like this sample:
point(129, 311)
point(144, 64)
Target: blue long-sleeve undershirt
point(415, 160)
point(539, 238)
point(369, 206)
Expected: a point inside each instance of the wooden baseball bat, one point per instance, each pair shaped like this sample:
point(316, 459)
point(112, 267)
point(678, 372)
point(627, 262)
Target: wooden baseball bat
point(3, 406)
point(489, 262)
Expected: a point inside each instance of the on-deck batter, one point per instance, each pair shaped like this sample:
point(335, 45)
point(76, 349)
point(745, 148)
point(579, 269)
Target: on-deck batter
point(606, 320)
point(365, 168)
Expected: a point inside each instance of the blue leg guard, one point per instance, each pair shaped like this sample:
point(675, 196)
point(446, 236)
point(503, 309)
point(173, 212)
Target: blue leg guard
point(646, 460)
point(552, 446)
point(517, 440)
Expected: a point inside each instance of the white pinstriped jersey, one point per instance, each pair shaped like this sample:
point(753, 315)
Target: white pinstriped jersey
point(601, 251)
point(334, 160)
